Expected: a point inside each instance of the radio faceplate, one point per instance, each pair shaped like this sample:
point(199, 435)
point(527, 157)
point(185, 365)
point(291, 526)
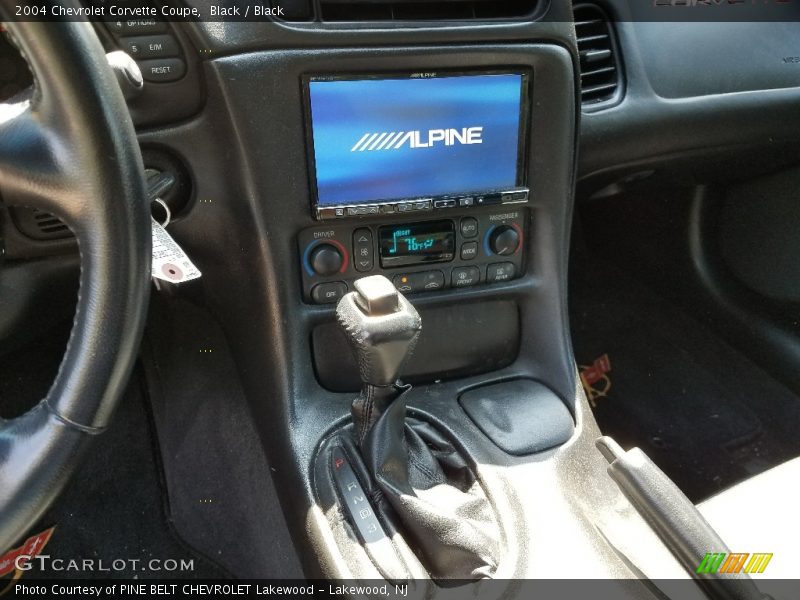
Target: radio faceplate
point(418, 256)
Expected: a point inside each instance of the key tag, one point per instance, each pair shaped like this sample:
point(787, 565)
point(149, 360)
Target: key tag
point(170, 262)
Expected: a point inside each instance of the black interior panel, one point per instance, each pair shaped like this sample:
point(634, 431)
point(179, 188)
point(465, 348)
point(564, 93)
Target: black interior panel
point(465, 339)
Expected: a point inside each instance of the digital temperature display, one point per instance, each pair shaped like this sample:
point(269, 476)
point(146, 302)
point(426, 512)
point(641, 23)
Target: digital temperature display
point(410, 244)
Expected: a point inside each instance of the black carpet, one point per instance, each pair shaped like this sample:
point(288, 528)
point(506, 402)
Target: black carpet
point(704, 413)
point(202, 492)
point(222, 498)
point(113, 509)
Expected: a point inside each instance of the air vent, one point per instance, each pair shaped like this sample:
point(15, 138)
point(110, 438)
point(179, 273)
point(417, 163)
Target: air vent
point(38, 224)
point(600, 68)
point(435, 10)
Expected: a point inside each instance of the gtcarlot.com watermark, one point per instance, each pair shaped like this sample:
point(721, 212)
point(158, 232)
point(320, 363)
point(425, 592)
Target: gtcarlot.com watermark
point(91, 565)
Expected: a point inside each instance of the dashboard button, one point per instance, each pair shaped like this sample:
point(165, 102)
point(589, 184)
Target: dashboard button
point(465, 276)
point(469, 227)
point(427, 281)
point(422, 205)
point(363, 250)
point(136, 26)
point(504, 240)
point(469, 250)
point(328, 293)
point(444, 204)
point(487, 199)
point(430, 280)
point(153, 46)
point(403, 283)
point(162, 70)
point(500, 272)
point(325, 259)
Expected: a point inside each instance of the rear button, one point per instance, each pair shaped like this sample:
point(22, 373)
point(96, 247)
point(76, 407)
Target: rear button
point(500, 272)
point(162, 70)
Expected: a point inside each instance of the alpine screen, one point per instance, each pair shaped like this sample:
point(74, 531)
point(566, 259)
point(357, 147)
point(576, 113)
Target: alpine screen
point(422, 136)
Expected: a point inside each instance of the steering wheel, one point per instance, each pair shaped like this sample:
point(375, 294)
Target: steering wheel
point(71, 149)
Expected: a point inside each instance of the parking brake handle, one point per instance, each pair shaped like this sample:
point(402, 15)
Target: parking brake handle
point(674, 518)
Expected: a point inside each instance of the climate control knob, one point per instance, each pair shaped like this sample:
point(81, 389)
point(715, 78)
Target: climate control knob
point(504, 240)
point(326, 259)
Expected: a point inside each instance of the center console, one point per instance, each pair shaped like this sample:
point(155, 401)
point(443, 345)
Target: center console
point(445, 164)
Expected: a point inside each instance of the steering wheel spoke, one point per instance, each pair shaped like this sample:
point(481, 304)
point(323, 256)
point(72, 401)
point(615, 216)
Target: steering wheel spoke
point(32, 158)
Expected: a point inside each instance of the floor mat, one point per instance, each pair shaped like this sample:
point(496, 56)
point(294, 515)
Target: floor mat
point(222, 497)
point(705, 414)
point(112, 513)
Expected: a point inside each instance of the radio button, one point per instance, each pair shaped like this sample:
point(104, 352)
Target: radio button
point(444, 203)
point(329, 213)
point(328, 293)
point(469, 227)
point(422, 205)
point(363, 250)
point(465, 276)
point(469, 250)
point(500, 272)
point(487, 199)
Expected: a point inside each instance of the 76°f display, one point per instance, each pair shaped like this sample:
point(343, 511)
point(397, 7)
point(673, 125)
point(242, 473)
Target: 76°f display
point(415, 243)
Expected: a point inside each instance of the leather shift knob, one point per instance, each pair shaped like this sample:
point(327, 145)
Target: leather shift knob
point(381, 326)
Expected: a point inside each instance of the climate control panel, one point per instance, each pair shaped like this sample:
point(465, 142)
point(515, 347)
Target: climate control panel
point(420, 256)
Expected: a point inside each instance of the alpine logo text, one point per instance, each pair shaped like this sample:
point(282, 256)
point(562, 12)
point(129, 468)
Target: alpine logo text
point(395, 140)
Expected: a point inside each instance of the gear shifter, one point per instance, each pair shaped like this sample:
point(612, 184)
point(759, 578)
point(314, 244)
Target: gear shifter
point(382, 328)
point(423, 478)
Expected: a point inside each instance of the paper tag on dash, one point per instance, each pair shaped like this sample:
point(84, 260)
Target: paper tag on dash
point(170, 262)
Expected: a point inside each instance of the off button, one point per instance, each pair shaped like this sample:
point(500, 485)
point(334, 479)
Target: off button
point(328, 293)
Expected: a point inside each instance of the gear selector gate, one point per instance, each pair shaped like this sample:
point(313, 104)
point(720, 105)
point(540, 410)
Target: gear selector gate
point(394, 476)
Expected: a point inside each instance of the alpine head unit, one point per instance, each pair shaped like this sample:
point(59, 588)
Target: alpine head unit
point(386, 144)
